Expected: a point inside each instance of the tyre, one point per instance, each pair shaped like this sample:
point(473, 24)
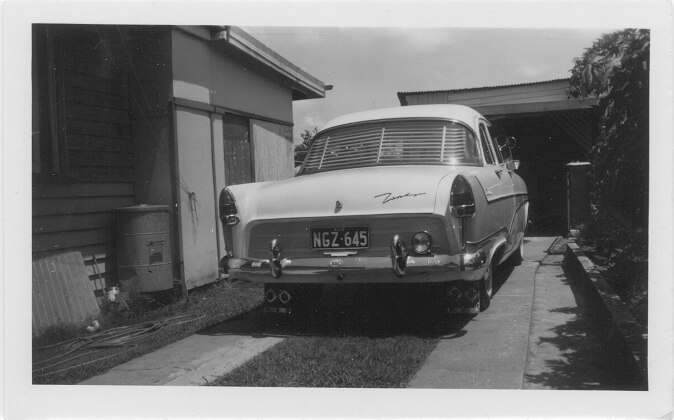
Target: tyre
point(486, 285)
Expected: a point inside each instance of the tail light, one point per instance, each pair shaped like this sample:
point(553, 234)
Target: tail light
point(228, 211)
point(422, 242)
point(461, 200)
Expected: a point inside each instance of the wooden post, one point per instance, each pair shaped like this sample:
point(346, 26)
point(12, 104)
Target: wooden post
point(577, 195)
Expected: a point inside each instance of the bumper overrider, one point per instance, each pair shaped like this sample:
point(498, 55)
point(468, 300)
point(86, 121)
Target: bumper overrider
point(398, 267)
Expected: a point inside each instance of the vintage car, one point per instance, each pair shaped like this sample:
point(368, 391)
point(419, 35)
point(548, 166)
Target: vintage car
point(415, 194)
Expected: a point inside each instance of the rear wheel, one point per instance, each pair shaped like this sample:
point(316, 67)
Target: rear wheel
point(486, 285)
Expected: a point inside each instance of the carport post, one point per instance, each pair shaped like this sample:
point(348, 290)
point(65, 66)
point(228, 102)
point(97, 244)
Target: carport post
point(577, 195)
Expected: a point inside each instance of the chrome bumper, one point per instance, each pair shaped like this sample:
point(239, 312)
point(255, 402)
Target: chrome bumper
point(394, 268)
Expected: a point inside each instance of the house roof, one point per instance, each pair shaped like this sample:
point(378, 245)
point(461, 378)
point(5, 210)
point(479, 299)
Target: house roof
point(523, 98)
point(305, 86)
point(401, 94)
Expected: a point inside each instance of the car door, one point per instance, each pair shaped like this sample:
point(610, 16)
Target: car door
point(496, 183)
point(508, 178)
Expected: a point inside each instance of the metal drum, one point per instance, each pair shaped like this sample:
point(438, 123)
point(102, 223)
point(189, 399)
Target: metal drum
point(144, 248)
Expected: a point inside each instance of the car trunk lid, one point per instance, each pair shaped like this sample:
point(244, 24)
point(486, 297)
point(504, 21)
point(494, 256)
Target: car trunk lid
point(352, 192)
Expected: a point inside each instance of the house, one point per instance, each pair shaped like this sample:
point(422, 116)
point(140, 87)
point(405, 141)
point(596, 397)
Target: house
point(551, 130)
point(156, 115)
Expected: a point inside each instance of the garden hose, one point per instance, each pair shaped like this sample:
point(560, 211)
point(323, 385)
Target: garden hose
point(115, 337)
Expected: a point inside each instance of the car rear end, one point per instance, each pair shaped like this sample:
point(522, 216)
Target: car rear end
point(378, 202)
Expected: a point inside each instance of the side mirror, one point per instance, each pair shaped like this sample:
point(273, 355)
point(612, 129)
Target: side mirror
point(511, 142)
point(513, 165)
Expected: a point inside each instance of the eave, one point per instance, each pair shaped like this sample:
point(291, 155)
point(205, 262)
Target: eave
point(304, 85)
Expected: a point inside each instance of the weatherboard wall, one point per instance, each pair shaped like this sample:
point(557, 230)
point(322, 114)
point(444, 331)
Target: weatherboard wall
point(72, 209)
point(127, 140)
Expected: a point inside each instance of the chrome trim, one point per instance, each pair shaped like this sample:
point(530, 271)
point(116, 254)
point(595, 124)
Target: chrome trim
point(231, 219)
point(488, 237)
point(339, 253)
point(275, 261)
point(357, 269)
point(325, 147)
point(398, 255)
point(454, 210)
point(473, 261)
point(381, 143)
point(519, 206)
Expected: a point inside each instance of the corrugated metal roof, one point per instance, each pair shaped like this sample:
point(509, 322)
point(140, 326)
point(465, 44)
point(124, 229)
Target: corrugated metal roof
point(480, 88)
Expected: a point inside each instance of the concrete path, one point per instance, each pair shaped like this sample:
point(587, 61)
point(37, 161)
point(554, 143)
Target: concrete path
point(195, 360)
point(491, 354)
point(564, 347)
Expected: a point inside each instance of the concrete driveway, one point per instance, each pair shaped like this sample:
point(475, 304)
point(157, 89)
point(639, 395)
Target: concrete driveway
point(535, 335)
point(492, 352)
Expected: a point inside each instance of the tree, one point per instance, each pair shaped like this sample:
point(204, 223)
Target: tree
point(302, 149)
point(615, 69)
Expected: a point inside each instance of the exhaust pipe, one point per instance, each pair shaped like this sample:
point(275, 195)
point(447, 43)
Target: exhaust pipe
point(472, 295)
point(270, 295)
point(455, 294)
point(284, 297)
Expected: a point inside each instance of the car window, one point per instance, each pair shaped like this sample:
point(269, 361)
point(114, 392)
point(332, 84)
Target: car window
point(494, 147)
point(501, 141)
point(484, 142)
point(494, 143)
point(393, 142)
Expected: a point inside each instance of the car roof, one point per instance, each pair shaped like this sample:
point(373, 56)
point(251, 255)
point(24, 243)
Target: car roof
point(445, 111)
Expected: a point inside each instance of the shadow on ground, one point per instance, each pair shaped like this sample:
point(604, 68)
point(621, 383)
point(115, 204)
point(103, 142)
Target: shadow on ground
point(578, 360)
point(357, 310)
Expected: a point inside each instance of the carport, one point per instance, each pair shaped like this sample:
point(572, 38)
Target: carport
point(551, 130)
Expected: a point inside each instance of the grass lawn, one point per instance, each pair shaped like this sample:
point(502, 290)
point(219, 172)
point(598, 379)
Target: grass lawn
point(357, 336)
point(345, 362)
point(205, 306)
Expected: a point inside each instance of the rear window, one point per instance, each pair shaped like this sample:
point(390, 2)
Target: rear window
point(399, 142)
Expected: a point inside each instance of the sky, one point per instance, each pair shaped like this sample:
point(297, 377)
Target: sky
point(369, 66)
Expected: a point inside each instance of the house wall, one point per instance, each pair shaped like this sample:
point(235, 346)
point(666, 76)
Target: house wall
point(151, 88)
point(226, 78)
point(123, 141)
point(72, 210)
point(197, 201)
point(226, 82)
point(273, 151)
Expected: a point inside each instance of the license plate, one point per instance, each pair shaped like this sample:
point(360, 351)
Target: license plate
point(337, 238)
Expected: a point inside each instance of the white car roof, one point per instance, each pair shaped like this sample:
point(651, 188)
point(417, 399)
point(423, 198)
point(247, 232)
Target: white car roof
point(456, 112)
